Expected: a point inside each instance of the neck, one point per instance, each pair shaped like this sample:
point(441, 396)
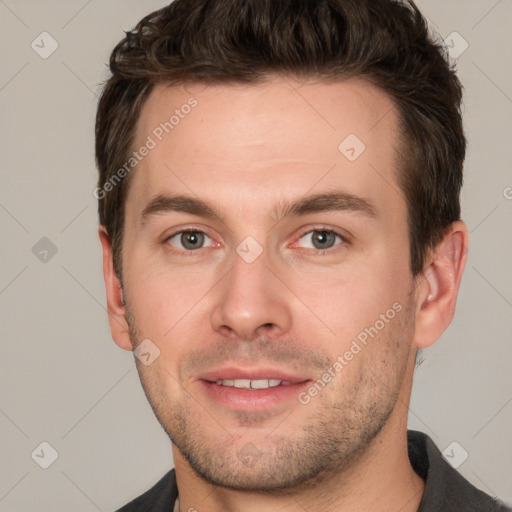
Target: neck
point(381, 480)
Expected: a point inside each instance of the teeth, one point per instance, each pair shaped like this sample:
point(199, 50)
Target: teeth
point(251, 384)
point(264, 383)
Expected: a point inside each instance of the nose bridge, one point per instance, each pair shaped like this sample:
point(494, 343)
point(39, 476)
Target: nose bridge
point(250, 297)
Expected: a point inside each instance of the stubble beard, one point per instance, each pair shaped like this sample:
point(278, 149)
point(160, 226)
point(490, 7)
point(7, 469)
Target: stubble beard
point(327, 442)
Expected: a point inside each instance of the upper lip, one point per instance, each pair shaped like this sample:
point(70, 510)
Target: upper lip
point(233, 373)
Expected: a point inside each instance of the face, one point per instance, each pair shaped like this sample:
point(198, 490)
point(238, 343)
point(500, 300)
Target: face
point(266, 256)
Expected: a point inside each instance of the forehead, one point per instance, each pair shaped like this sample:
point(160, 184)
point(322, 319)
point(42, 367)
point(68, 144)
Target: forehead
point(275, 138)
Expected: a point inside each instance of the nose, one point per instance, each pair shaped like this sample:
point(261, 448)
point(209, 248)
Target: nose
point(251, 301)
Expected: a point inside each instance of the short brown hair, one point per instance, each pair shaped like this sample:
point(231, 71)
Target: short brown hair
point(386, 42)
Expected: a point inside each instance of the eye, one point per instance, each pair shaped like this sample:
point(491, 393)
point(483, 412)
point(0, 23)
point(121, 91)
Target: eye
point(320, 239)
point(190, 240)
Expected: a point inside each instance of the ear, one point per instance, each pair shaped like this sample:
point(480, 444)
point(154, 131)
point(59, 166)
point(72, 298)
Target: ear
point(116, 311)
point(438, 286)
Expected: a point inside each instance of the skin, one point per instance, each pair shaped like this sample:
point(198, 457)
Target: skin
point(248, 150)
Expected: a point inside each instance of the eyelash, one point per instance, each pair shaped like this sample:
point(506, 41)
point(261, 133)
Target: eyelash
point(184, 252)
point(324, 252)
point(316, 252)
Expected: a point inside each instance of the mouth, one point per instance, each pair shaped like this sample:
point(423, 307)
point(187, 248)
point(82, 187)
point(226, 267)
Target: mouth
point(257, 390)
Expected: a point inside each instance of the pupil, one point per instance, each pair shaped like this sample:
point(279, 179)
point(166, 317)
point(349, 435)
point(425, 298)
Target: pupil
point(323, 238)
point(192, 240)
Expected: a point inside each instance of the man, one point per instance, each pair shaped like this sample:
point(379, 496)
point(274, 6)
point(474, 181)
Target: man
point(280, 223)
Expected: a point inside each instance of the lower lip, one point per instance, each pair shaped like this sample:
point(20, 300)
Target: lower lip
point(248, 400)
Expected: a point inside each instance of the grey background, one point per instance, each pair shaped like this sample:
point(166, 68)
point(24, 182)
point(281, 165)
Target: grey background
point(65, 382)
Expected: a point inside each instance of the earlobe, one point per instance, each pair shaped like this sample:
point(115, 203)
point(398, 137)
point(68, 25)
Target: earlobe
point(115, 302)
point(438, 288)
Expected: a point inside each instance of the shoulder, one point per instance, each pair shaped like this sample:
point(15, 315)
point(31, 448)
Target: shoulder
point(445, 488)
point(160, 498)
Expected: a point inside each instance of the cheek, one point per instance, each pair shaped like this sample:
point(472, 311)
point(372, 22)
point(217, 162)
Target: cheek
point(163, 297)
point(160, 384)
point(329, 292)
point(337, 306)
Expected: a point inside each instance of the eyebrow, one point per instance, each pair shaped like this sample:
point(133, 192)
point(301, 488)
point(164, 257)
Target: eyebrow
point(321, 202)
point(325, 202)
point(164, 203)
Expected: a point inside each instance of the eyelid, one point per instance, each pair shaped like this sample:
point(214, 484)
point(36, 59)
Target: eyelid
point(344, 238)
point(189, 229)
